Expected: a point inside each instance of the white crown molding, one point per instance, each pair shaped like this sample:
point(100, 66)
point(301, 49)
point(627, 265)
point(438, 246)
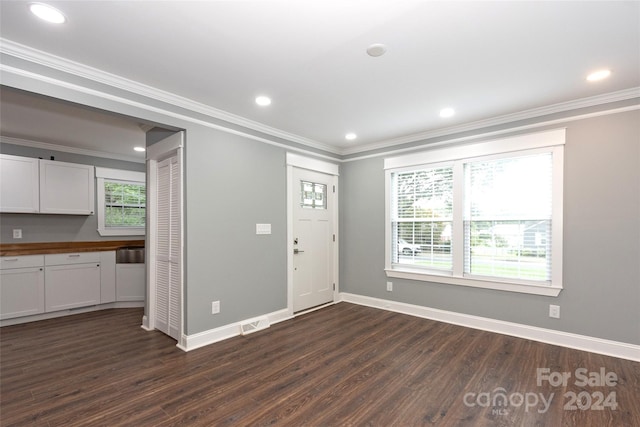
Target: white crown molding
point(561, 107)
point(125, 101)
point(498, 133)
point(67, 149)
point(39, 57)
point(549, 336)
point(42, 58)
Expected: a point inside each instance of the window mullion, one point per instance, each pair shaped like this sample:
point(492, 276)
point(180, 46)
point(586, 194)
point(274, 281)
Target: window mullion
point(457, 235)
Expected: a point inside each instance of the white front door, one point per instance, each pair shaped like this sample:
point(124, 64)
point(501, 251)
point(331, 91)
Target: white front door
point(313, 238)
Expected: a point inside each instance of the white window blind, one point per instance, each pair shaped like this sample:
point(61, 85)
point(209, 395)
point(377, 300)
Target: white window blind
point(507, 218)
point(422, 216)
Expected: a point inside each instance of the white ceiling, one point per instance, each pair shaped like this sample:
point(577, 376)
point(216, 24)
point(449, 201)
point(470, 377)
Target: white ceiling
point(485, 59)
point(27, 119)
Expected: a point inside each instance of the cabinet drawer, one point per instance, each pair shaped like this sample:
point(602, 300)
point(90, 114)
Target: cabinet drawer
point(23, 261)
point(73, 258)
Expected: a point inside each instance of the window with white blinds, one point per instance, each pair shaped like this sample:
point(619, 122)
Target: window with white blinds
point(121, 202)
point(507, 217)
point(422, 217)
point(485, 215)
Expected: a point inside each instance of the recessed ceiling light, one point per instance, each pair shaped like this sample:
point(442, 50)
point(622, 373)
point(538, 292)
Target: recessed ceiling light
point(447, 112)
point(263, 101)
point(376, 49)
point(350, 136)
point(598, 75)
point(47, 13)
point(140, 149)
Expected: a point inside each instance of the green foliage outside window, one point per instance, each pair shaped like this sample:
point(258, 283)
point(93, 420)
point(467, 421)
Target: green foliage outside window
point(125, 204)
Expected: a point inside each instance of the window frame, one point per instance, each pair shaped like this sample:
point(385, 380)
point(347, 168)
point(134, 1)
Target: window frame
point(130, 177)
point(546, 141)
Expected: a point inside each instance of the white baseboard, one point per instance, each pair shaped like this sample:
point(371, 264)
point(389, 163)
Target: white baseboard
point(145, 323)
point(201, 339)
point(70, 312)
point(549, 336)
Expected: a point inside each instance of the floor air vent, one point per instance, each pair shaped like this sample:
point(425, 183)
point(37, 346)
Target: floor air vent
point(255, 325)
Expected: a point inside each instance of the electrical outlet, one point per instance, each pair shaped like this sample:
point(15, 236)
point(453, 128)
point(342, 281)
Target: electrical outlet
point(215, 307)
point(554, 311)
point(17, 233)
point(389, 286)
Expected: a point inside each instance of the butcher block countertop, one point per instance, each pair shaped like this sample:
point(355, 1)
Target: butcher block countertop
point(15, 249)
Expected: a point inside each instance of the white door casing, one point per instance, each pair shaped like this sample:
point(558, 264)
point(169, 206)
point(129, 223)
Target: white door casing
point(312, 233)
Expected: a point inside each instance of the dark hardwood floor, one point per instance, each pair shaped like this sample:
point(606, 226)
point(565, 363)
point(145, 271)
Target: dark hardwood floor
point(345, 365)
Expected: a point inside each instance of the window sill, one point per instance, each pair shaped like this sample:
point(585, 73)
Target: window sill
point(546, 290)
point(122, 232)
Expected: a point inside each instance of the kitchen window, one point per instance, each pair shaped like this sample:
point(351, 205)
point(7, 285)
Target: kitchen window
point(121, 202)
point(486, 215)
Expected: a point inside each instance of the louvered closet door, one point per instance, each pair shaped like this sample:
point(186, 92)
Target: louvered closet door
point(175, 251)
point(168, 247)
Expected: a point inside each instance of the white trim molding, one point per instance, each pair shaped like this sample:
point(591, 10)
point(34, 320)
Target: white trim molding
point(310, 163)
point(548, 336)
point(74, 68)
point(70, 312)
point(67, 149)
point(562, 107)
point(201, 339)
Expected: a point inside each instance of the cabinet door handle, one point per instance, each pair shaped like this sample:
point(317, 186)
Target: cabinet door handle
point(74, 256)
point(11, 259)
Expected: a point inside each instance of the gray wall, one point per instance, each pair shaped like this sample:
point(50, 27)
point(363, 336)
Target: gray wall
point(58, 228)
point(601, 295)
point(232, 184)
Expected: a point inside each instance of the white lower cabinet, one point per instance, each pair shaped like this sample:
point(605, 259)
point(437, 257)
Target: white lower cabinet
point(37, 284)
point(21, 286)
point(72, 280)
point(130, 282)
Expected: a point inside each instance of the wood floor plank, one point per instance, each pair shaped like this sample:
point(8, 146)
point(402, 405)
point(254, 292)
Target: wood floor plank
point(344, 365)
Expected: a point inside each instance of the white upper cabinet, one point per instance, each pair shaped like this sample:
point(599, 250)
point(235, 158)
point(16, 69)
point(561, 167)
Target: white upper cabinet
point(29, 185)
point(19, 185)
point(66, 188)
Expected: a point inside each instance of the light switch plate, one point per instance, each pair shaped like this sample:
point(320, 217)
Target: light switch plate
point(263, 228)
point(17, 233)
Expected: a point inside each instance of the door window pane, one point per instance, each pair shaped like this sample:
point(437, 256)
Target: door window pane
point(313, 195)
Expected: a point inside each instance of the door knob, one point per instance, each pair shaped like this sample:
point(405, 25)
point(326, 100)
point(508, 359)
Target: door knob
point(297, 251)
